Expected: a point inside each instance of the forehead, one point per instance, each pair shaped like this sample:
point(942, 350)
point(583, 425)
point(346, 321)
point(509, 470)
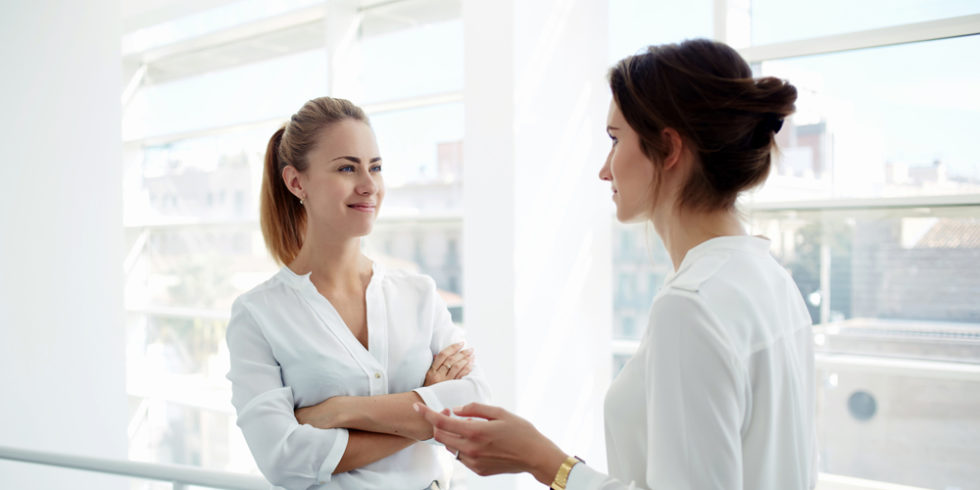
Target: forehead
point(348, 137)
point(614, 117)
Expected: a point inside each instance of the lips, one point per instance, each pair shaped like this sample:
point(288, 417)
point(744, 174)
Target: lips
point(364, 207)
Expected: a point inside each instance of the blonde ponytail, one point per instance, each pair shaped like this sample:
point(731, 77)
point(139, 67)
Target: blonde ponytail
point(282, 216)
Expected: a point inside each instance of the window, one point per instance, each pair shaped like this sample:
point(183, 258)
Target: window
point(635, 24)
point(195, 134)
point(889, 132)
point(774, 21)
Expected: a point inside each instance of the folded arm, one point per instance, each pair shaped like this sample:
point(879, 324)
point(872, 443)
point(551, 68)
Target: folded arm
point(290, 455)
point(364, 448)
point(392, 414)
point(385, 414)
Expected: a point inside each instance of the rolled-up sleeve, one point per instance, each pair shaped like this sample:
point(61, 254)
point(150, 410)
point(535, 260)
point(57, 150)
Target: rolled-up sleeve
point(289, 455)
point(468, 389)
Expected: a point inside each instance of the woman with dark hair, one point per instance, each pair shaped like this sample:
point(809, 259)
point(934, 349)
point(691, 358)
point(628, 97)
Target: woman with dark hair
point(719, 394)
point(329, 354)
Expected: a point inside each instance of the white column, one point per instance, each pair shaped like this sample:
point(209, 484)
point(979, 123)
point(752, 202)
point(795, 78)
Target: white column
point(537, 221)
point(62, 365)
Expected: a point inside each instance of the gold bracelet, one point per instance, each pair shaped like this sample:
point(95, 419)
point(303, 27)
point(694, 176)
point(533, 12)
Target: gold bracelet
point(561, 479)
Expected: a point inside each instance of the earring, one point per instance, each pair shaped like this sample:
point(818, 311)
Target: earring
point(301, 201)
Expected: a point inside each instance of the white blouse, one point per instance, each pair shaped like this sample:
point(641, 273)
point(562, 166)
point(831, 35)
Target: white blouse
point(720, 393)
point(290, 348)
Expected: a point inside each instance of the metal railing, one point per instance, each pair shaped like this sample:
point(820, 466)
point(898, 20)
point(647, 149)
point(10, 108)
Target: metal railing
point(179, 475)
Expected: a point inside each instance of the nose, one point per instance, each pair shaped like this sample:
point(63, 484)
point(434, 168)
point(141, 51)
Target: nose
point(367, 185)
point(604, 172)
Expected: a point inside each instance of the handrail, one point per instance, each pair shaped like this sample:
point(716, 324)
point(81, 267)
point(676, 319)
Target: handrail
point(828, 481)
point(179, 475)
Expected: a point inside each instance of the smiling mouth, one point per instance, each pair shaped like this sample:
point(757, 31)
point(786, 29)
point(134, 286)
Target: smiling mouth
point(365, 208)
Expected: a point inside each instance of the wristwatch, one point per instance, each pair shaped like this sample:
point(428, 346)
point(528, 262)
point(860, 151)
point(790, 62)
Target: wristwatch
point(561, 479)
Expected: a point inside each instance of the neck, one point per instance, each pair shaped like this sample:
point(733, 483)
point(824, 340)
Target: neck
point(333, 263)
point(683, 230)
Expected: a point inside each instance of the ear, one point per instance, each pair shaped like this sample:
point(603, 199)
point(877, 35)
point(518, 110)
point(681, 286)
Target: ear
point(291, 177)
point(675, 147)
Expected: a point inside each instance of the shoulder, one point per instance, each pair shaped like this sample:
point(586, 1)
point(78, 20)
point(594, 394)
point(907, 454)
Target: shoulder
point(677, 308)
point(745, 297)
point(688, 311)
point(262, 304)
point(405, 281)
point(685, 329)
point(268, 292)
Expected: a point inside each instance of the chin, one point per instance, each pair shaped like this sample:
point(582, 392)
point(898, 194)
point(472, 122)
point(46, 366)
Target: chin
point(363, 231)
point(629, 217)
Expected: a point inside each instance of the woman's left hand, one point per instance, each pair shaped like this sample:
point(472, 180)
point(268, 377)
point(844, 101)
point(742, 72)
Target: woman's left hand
point(500, 443)
point(451, 363)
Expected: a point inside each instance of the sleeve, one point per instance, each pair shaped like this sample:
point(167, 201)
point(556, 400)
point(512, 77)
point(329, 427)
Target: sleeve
point(472, 387)
point(289, 455)
point(694, 401)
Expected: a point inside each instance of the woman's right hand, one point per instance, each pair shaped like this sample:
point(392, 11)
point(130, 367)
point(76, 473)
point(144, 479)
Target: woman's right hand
point(490, 440)
point(453, 362)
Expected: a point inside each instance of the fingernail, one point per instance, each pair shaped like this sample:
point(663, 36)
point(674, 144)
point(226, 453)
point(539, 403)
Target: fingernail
point(416, 407)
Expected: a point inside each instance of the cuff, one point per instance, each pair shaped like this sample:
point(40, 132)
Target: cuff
point(432, 401)
point(428, 396)
point(582, 477)
point(325, 473)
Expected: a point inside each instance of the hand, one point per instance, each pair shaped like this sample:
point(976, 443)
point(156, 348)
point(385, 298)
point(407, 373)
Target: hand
point(501, 443)
point(453, 362)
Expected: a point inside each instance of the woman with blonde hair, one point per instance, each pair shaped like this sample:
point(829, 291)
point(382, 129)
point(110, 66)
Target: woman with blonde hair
point(329, 354)
point(720, 393)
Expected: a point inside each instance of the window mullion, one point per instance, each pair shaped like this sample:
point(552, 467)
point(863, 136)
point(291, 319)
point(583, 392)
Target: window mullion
point(908, 33)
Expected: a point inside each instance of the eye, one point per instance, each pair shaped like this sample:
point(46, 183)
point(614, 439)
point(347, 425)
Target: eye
point(376, 168)
point(614, 140)
point(346, 168)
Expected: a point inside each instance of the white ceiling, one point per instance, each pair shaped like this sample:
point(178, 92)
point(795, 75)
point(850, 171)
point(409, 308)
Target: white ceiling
point(274, 36)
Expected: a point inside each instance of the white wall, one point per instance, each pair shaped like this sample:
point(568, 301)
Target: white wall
point(61, 334)
point(537, 227)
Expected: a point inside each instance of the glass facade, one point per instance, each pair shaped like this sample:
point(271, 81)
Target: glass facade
point(871, 207)
point(194, 149)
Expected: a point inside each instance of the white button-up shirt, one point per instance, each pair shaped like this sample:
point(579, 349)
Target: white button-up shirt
point(720, 393)
point(290, 348)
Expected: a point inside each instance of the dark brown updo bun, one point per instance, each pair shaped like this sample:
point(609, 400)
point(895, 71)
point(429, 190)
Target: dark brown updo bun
point(705, 91)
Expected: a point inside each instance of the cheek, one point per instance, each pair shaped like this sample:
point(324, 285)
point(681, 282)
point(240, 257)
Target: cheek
point(332, 190)
point(630, 170)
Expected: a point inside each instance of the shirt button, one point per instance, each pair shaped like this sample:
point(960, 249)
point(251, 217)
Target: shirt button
point(377, 375)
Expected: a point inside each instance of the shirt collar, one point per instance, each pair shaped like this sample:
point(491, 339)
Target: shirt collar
point(302, 282)
point(736, 243)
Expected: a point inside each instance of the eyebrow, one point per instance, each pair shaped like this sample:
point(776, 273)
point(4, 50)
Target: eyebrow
point(355, 159)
